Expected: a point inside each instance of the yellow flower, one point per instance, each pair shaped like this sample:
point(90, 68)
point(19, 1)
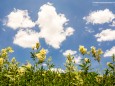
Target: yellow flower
point(86, 60)
point(10, 49)
point(40, 57)
point(100, 51)
point(3, 50)
point(43, 51)
point(59, 75)
point(28, 65)
point(99, 78)
point(1, 61)
point(4, 54)
point(13, 60)
point(21, 70)
point(82, 49)
point(93, 50)
point(69, 58)
point(79, 78)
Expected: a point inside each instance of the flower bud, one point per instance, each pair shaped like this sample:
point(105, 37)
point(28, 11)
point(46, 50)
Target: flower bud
point(87, 60)
point(13, 60)
point(37, 45)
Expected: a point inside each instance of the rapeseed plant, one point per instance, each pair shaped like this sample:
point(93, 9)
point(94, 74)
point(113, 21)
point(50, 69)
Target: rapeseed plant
point(13, 74)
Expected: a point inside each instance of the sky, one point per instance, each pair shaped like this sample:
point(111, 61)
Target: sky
point(60, 26)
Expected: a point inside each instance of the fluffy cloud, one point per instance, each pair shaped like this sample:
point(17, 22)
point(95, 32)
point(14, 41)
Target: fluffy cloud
point(19, 19)
point(26, 38)
point(109, 52)
point(89, 30)
point(71, 52)
point(100, 17)
point(106, 35)
point(69, 31)
point(51, 26)
point(113, 24)
point(77, 58)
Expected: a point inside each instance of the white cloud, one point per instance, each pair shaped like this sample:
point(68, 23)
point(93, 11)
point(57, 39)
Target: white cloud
point(44, 64)
point(113, 24)
point(109, 52)
point(26, 38)
point(52, 26)
point(106, 35)
point(71, 52)
point(77, 59)
point(89, 30)
point(69, 31)
point(100, 17)
point(19, 19)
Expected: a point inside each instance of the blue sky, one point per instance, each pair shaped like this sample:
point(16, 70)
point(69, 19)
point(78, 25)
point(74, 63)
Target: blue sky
point(60, 27)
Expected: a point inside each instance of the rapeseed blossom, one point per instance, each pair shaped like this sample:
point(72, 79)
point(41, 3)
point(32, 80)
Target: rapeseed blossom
point(1, 61)
point(87, 60)
point(28, 65)
point(93, 50)
point(13, 60)
point(43, 51)
point(41, 55)
point(82, 50)
point(100, 51)
point(10, 49)
point(21, 70)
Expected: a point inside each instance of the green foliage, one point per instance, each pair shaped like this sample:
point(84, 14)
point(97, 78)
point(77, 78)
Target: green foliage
point(12, 74)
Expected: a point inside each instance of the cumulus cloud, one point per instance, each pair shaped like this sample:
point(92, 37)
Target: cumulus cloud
point(77, 58)
point(19, 19)
point(52, 26)
point(26, 38)
point(89, 30)
point(100, 17)
point(109, 52)
point(106, 35)
point(69, 31)
point(113, 24)
point(71, 52)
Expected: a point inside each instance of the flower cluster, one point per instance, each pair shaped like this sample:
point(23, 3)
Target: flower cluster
point(28, 65)
point(1, 61)
point(41, 55)
point(87, 60)
point(4, 52)
point(42, 72)
point(82, 50)
point(21, 70)
point(96, 53)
